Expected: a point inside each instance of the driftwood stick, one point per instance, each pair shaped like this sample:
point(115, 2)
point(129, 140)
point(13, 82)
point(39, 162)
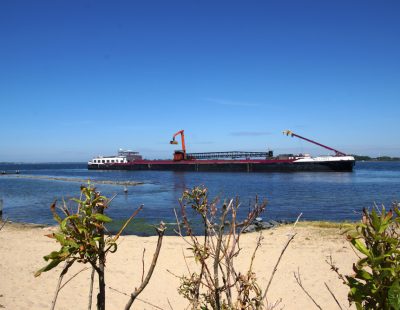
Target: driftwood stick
point(160, 231)
point(291, 236)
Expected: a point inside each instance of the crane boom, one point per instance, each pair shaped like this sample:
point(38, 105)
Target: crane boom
point(173, 141)
point(292, 134)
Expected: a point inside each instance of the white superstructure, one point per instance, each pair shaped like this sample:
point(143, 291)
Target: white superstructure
point(124, 156)
point(324, 159)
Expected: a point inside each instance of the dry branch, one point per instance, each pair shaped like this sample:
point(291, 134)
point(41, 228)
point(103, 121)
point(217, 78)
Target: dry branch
point(142, 300)
point(290, 238)
point(4, 223)
point(63, 272)
point(91, 288)
point(72, 277)
point(298, 280)
point(218, 285)
point(160, 231)
point(333, 296)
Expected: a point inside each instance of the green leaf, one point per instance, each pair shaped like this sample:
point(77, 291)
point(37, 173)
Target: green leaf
point(376, 220)
point(360, 246)
point(53, 263)
point(52, 255)
point(359, 306)
point(71, 243)
point(63, 224)
point(364, 275)
point(60, 238)
point(102, 217)
point(394, 295)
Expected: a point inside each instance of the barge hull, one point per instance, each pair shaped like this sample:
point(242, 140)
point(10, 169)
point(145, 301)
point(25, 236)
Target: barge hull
point(240, 166)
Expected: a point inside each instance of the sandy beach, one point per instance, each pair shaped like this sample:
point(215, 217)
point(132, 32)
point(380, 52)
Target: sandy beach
point(22, 248)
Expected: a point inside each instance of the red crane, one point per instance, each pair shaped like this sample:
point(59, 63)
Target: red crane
point(292, 134)
point(179, 155)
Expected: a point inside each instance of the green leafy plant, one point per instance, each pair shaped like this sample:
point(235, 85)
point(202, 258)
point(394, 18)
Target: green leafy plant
point(375, 282)
point(82, 237)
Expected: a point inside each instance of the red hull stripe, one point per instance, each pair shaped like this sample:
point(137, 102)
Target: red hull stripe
point(200, 162)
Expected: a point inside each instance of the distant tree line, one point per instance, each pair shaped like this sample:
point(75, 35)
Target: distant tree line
point(379, 158)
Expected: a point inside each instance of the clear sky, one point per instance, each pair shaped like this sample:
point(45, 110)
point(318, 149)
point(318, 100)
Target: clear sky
point(83, 78)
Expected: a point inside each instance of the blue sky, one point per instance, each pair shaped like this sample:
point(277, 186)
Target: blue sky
point(82, 78)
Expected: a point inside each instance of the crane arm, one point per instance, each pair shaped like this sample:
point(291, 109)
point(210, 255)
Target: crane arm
point(292, 134)
point(173, 141)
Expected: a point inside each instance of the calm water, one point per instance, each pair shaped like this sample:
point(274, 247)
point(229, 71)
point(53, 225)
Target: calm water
point(319, 196)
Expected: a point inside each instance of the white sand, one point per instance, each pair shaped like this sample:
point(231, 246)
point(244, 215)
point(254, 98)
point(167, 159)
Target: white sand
point(22, 249)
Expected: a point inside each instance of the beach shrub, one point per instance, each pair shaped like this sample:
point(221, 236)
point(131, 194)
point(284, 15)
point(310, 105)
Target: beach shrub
point(375, 283)
point(83, 239)
point(217, 284)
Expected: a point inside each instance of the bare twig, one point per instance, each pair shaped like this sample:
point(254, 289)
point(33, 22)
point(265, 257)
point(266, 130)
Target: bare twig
point(142, 300)
point(4, 223)
point(127, 222)
point(259, 240)
point(186, 263)
point(169, 303)
point(217, 252)
point(144, 251)
point(290, 238)
point(160, 231)
point(70, 279)
point(271, 306)
point(63, 272)
point(179, 232)
point(298, 280)
point(91, 288)
point(335, 269)
point(333, 295)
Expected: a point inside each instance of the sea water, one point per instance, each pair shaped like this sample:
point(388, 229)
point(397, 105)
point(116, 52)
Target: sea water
point(333, 196)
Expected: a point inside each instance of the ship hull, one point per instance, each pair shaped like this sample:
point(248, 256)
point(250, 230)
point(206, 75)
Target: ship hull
point(231, 165)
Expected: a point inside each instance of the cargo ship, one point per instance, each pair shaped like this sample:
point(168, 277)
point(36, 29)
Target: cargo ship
point(227, 161)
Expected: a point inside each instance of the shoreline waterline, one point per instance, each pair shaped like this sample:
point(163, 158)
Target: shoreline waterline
point(303, 224)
